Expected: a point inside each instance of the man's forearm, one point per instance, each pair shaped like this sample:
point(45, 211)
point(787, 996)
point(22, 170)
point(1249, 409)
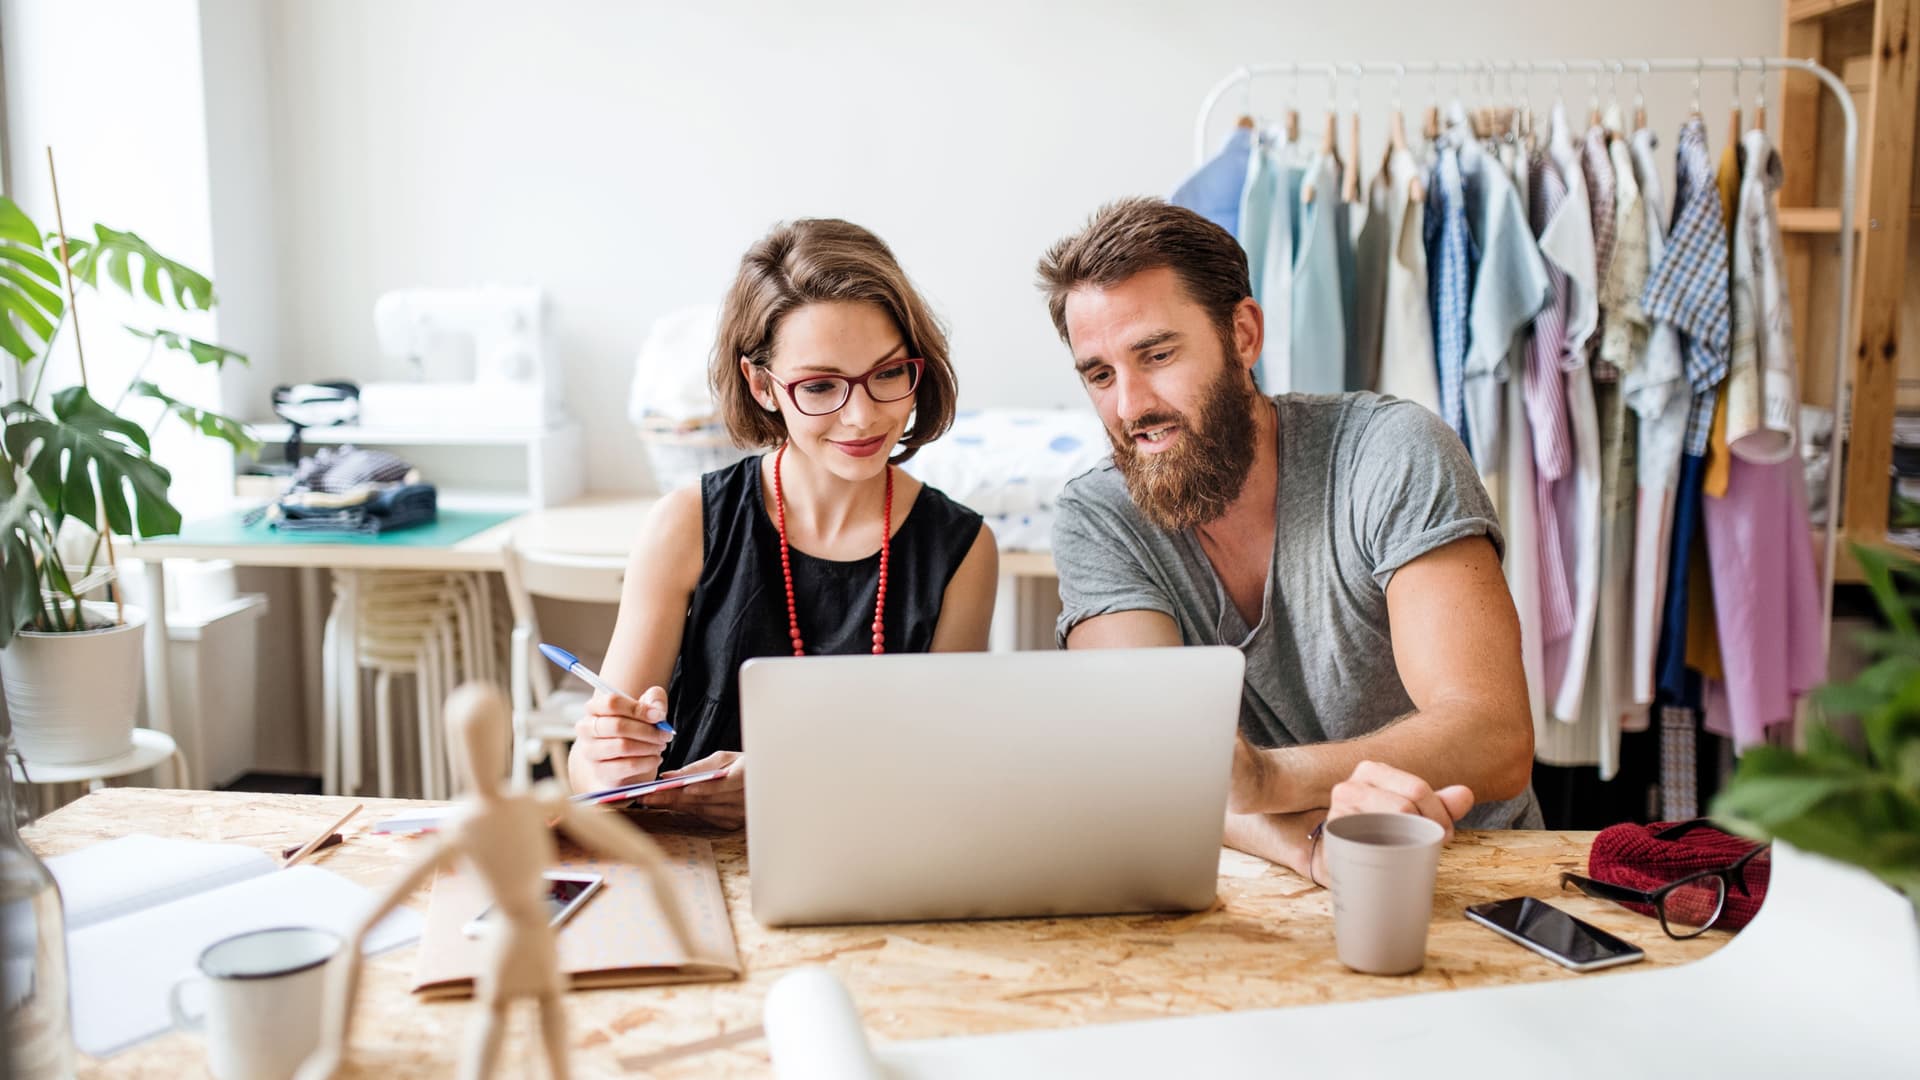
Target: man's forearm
point(1277, 838)
point(1443, 745)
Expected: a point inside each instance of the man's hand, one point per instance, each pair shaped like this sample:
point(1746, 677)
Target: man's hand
point(721, 802)
point(617, 743)
point(1382, 789)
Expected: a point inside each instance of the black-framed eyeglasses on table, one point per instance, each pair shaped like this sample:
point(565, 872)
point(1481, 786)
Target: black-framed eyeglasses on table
point(1686, 907)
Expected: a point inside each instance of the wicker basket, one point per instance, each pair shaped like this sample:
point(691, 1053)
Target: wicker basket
point(678, 453)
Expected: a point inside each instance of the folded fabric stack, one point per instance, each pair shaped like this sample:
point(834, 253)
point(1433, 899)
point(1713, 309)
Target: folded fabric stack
point(358, 492)
point(398, 506)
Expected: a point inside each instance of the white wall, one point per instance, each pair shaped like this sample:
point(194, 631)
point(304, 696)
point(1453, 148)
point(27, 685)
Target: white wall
point(624, 154)
point(115, 88)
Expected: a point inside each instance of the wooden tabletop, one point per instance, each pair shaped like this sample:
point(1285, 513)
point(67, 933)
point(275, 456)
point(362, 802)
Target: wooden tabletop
point(1267, 942)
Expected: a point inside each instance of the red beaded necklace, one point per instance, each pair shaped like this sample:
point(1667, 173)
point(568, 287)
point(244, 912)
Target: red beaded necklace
point(786, 562)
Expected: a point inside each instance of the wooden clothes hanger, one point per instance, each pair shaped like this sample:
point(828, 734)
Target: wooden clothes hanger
point(1350, 179)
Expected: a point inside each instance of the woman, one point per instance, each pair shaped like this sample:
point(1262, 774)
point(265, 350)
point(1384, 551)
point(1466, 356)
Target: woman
point(827, 356)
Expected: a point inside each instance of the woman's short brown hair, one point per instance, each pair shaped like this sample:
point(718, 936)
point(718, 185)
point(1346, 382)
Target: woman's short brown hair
point(816, 261)
point(1135, 235)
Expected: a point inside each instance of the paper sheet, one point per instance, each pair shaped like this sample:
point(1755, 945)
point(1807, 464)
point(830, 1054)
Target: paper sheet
point(123, 969)
point(125, 874)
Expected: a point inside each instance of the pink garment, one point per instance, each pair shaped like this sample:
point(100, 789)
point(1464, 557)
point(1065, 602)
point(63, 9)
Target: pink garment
point(1766, 596)
point(1546, 402)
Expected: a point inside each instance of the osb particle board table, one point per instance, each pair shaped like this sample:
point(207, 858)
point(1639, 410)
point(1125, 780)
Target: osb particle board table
point(1267, 942)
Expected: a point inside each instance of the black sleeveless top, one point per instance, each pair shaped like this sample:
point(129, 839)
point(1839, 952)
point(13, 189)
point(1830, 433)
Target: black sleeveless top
point(739, 608)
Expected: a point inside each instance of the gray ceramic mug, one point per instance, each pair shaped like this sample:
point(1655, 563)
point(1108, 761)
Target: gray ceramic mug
point(1381, 869)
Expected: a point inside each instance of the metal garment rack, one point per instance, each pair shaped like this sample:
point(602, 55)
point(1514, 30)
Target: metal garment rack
point(1527, 69)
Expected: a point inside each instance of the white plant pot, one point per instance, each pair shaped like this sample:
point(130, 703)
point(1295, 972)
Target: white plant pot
point(73, 697)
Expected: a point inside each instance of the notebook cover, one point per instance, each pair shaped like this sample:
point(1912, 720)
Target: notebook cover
point(618, 938)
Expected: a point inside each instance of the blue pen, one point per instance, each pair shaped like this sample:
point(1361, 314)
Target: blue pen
point(568, 662)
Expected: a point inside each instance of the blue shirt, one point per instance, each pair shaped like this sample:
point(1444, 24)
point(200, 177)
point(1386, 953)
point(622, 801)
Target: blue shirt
point(1213, 191)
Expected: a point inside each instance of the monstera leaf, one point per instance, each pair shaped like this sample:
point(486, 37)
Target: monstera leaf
point(116, 251)
point(212, 424)
point(23, 546)
point(84, 440)
point(29, 285)
point(203, 352)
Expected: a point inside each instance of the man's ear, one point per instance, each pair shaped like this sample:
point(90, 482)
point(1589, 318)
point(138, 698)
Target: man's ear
point(1249, 331)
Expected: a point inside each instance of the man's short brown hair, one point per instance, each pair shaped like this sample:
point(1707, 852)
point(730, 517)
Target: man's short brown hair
point(1134, 235)
point(816, 261)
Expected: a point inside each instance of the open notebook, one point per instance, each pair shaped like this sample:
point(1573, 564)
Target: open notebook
point(140, 909)
point(617, 938)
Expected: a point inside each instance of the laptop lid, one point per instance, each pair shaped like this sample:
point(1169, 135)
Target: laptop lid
point(978, 785)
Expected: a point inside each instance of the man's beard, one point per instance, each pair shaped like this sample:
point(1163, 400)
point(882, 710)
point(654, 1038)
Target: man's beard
point(1193, 482)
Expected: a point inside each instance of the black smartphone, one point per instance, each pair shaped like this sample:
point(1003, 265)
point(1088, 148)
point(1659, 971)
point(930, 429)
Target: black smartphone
point(1554, 934)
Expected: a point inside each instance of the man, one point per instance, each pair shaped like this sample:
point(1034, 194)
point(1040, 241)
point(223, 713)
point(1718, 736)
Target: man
point(1343, 543)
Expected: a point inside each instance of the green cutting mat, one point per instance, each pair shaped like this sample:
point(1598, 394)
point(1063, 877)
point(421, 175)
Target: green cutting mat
point(450, 528)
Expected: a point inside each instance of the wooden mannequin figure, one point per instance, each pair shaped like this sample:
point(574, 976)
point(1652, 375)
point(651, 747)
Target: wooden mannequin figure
point(504, 835)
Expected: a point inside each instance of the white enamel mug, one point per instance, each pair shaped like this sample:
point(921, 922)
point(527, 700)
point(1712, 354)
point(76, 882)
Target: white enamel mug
point(264, 994)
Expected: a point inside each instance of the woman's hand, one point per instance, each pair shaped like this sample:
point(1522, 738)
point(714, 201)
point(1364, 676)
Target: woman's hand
point(721, 802)
point(616, 742)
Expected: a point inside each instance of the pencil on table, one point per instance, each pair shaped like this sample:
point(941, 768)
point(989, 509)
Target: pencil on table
point(313, 845)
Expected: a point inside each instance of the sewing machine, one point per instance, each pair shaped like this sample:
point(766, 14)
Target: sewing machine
point(472, 359)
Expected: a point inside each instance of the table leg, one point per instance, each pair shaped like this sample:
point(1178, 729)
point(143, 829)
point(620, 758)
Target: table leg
point(313, 645)
point(1003, 634)
point(346, 633)
point(159, 673)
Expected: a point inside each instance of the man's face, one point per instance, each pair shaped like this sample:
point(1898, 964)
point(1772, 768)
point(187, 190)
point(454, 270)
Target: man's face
point(1175, 396)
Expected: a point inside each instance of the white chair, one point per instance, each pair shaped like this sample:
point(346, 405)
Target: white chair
point(434, 627)
point(543, 717)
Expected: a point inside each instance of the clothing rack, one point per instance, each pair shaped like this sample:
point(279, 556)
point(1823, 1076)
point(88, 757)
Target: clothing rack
point(1334, 73)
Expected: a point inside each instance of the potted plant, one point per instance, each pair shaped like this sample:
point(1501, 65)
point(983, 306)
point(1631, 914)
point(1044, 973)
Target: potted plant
point(80, 469)
point(1857, 804)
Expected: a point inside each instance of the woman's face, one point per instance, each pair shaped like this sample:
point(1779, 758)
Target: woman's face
point(849, 339)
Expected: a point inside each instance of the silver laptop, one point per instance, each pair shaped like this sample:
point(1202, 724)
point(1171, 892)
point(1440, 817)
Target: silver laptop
point(980, 785)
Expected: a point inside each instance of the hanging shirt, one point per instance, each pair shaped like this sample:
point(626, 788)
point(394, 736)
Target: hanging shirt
point(1509, 288)
point(1763, 385)
point(1213, 191)
point(1688, 287)
point(1518, 497)
point(1596, 166)
point(1372, 258)
point(1624, 329)
point(1450, 260)
point(1703, 635)
point(1568, 241)
point(1319, 331)
point(1546, 403)
point(1657, 391)
point(1407, 367)
point(1266, 233)
point(1766, 591)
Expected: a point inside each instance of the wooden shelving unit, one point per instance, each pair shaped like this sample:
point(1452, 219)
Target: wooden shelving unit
point(1875, 47)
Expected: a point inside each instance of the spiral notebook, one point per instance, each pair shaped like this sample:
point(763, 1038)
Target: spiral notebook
point(617, 938)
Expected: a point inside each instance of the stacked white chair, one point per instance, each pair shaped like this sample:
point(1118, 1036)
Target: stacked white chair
point(543, 717)
point(436, 628)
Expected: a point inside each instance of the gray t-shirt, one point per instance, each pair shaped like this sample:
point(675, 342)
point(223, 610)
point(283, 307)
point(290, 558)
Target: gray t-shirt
point(1367, 484)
